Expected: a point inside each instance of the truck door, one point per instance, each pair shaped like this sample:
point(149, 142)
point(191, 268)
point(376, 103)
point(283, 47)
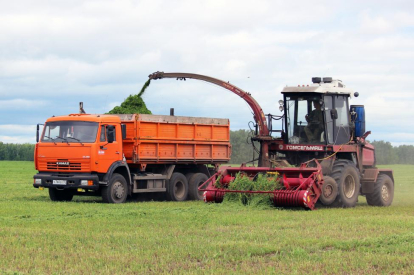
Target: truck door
point(110, 146)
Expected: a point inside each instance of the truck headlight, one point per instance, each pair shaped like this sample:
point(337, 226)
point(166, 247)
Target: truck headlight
point(38, 181)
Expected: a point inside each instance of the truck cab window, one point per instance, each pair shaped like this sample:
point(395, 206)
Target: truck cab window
point(103, 134)
point(70, 131)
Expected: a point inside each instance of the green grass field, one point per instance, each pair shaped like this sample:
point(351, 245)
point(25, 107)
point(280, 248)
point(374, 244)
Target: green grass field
point(85, 236)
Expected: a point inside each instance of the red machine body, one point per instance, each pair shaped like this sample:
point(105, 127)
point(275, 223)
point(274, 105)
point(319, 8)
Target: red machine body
point(346, 167)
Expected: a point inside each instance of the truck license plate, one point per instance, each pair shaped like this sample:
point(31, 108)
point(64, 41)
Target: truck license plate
point(59, 182)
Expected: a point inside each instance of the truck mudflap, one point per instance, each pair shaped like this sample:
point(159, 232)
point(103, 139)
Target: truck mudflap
point(301, 186)
point(66, 181)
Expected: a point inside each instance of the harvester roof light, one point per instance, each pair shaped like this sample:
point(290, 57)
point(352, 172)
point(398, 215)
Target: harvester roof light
point(327, 79)
point(316, 80)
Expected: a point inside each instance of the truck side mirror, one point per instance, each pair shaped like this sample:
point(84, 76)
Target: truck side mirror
point(334, 114)
point(38, 132)
point(123, 128)
point(110, 133)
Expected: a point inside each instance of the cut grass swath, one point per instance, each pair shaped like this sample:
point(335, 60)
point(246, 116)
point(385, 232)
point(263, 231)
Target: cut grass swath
point(262, 182)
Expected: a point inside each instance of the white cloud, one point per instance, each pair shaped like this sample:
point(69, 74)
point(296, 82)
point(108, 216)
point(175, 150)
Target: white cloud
point(12, 104)
point(55, 54)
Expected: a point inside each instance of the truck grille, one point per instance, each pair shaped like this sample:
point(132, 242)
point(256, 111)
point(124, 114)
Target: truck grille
point(61, 166)
point(71, 166)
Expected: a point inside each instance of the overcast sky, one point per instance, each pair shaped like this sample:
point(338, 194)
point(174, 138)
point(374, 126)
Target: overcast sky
point(55, 54)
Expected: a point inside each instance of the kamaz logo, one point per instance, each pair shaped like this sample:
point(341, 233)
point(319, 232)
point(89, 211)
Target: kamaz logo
point(62, 163)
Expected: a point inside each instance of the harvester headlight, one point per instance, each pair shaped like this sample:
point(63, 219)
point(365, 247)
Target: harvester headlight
point(84, 182)
point(281, 102)
point(281, 108)
point(38, 181)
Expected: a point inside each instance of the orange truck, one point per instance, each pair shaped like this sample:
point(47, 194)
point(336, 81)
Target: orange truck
point(115, 156)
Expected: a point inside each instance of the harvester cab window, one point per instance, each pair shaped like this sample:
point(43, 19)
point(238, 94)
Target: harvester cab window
point(341, 124)
point(304, 119)
point(328, 106)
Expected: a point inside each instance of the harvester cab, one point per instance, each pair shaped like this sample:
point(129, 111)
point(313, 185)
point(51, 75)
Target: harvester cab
point(318, 113)
point(321, 154)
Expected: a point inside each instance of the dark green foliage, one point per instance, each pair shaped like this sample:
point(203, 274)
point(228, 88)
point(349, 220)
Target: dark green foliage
point(385, 153)
point(261, 183)
point(133, 104)
point(11, 151)
point(242, 149)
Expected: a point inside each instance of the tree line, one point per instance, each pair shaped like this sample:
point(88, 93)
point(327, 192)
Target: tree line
point(11, 151)
point(242, 150)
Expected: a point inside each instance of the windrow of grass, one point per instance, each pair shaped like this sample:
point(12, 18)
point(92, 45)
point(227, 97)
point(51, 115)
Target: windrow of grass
point(85, 236)
point(262, 182)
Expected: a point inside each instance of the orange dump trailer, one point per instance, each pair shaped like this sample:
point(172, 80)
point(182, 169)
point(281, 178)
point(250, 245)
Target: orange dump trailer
point(175, 139)
point(117, 155)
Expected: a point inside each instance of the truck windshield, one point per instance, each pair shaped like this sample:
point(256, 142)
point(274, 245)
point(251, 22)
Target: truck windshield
point(70, 131)
point(304, 120)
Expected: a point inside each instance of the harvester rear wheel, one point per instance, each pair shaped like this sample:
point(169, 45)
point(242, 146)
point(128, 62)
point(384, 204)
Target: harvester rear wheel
point(116, 191)
point(177, 188)
point(60, 195)
point(346, 175)
point(329, 191)
point(383, 192)
point(195, 181)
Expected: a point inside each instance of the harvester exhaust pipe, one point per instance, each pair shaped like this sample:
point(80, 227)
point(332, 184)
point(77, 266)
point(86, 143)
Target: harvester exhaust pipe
point(81, 110)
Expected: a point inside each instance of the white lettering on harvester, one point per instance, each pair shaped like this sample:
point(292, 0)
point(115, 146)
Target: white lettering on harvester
point(304, 148)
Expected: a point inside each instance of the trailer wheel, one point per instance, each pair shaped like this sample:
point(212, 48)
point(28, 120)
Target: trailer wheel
point(383, 192)
point(346, 175)
point(329, 191)
point(195, 181)
point(60, 195)
point(116, 191)
point(177, 187)
point(189, 176)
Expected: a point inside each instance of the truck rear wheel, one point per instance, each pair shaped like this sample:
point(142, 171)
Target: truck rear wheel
point(60, 195)
point(346, 175)
point(329, 191)
point(195, 181)
point(116, 191)
point(177, 187)
point(383, 192)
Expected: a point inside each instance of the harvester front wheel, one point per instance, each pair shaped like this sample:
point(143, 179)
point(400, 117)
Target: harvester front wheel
point(60, 195)
point(116, 191)
point(346, 175)
point(329, 191)
point(383, 192)
point(195, 181)
point(177, 188)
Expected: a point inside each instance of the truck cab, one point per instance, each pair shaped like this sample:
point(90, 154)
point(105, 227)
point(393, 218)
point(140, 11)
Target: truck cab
point(74, 151)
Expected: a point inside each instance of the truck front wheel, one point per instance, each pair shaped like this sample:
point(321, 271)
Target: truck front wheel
point(177, 189)
point(60, 195)
point(116, 191)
